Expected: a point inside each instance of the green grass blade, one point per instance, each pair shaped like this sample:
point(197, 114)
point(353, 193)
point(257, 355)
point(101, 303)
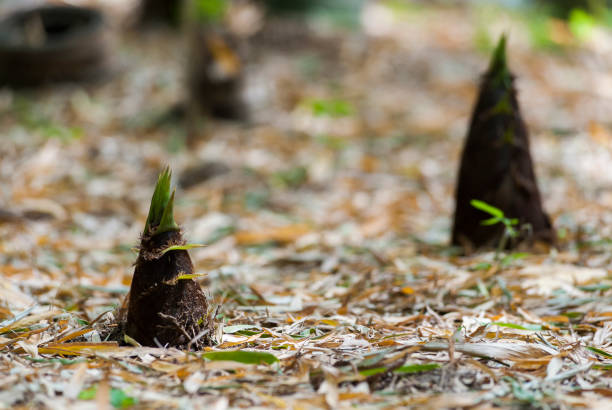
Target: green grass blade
point(491, 221)
point(599, 352)
point(241, 356)
point(160, 198)
point(167, 222)
point(531, 327)
point(190, 276)
point(490, 209)
point(181, 247)
point(159, 202)
point(417, 368)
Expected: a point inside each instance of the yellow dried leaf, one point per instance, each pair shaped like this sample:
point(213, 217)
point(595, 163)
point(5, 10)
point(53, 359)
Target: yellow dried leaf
point(556, 319)
point(167, 367)
point(74, 335)
point(532, 364)
point(224, 56)
point(600, 134)
point(284, 234)
point(329, 322)
point(355, 395)
point(239, 342)
point(75, 349)
point(388, 342)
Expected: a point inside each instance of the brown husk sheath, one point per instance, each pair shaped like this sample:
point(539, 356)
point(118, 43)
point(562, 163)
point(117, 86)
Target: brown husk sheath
point(164, 309)
point(496, 167)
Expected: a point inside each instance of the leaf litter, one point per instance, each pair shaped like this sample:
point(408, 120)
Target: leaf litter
point(327, 236)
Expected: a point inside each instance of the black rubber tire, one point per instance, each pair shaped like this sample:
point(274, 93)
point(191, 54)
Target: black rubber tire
point(75, 46)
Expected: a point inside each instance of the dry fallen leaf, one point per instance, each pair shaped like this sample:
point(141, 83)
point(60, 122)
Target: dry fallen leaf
point(327, 228)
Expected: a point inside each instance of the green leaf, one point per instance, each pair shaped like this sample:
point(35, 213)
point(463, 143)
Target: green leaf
point(59, 360)
point(518, 327)
point(210, 10)
point(160, 202)
point(491, 221)
point(599, 352)
point(331, 108)
point(498, 59)
point(508, 259)
point(291, 178)
point(237, 328)
point(490, 209)
point(374, 359)
point(417, 368)
point(241, 356)
point(182, 247)
point(540, 33)
point(190, 276)
point(581, 24)
point(167, 222)
point(498, 68)
point(372, 372)
point(251, 333)
point(120, 400)
point(481, 266)
point(131, 341)
point(88, 394)
point(595, 287)
point(510, 231)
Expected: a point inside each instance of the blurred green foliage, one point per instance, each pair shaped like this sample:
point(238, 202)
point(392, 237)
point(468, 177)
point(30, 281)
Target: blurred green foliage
point(256, 200)
point(34, 120)
point(543, 20)
point(564, 8)
point(340, 12)
point(333, 142)
point(332, 107)
point(581, 23)
point(290, 178)
point(209, 10)
point(118, 398)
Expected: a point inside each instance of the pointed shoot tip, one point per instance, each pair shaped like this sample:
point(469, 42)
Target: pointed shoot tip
point(162, 205)
point(167, 222)
point(498, 60)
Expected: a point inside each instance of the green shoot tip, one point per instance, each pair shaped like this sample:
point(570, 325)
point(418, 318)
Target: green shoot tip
point(498, 68)
point(161, 211)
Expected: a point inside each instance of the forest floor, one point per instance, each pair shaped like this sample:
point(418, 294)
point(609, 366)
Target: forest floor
point(327, 223)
